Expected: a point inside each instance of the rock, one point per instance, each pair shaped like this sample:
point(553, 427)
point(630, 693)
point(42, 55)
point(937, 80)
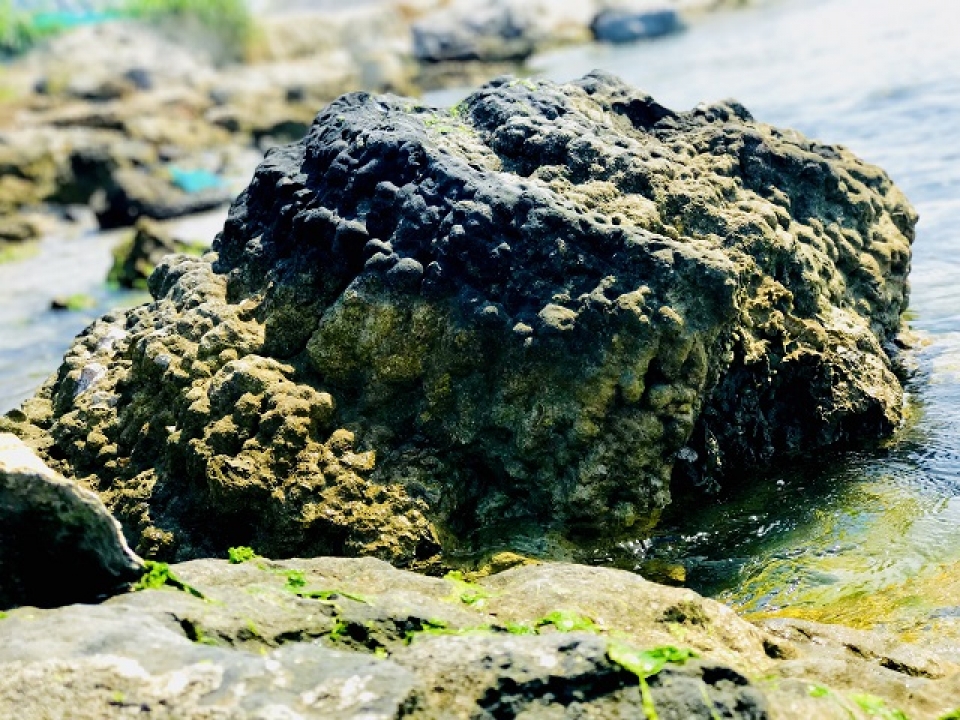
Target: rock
point(58, 544)
point(499, 30)
point(342, 638)
point(18, 229)
point(424, 327)
point(137, 193)
point(136, 258)
point(624, 25)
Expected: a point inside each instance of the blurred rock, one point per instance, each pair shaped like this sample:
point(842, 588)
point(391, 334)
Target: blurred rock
point(498, 30)
point(645, 22)
point(137, 193)
point(135, 259)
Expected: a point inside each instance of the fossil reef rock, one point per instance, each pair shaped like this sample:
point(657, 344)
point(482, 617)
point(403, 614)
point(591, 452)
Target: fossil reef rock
point(536, 307)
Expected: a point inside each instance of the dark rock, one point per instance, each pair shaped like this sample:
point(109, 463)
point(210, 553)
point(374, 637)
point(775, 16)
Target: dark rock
point(624, 25)
point(135, 259)
point(138, 193)
point(58, 544)
point(607, 286)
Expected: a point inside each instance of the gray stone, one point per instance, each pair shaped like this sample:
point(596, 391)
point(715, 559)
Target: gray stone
point(58, 544)
point(623, 25)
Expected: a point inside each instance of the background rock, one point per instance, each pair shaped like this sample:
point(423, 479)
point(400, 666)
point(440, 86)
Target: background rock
point(58, 544)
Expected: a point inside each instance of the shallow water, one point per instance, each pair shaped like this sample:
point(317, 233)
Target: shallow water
point(866, 539)
point(67, 263)
point(870, 539)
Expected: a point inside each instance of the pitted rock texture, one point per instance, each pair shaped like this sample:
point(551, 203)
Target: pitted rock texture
point(536, 307)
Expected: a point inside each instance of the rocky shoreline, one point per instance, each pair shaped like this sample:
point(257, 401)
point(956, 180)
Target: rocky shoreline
point(357, 638)
point(422, 334)
point(541, 308)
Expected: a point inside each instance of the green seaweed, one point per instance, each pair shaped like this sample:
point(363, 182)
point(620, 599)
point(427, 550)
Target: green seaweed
point(468, 592)
point(567, 621)
point(241, 554)
point(645, 664)
point(157, 575)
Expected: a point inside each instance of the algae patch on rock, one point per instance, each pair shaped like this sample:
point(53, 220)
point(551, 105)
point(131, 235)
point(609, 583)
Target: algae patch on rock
point(535, 308)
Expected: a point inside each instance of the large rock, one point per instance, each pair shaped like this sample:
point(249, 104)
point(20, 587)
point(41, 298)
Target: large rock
point(58, 544)
point(531, 310)
point(340, 638)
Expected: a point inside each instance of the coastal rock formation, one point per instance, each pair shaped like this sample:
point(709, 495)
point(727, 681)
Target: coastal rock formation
point(347, 638)
point(58, 544)
point(535, 308)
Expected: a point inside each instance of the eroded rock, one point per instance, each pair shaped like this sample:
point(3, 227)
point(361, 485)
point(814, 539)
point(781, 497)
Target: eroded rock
point(58, 544)
point(537, 307)
point(356, 638)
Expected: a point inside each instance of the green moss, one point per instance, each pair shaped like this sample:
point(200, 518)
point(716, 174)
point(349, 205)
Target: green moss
point(818, 691)
point(75, 303)
point(467, 592)
point(241, 554)
point(877, 707)
point(157, 575)
point(952, 715)
point(3, 615)
point(295, 580)
point(566, 621)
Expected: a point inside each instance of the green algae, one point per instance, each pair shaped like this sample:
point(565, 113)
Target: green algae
point(158, 575)
point(241, 554)
point(645, 664)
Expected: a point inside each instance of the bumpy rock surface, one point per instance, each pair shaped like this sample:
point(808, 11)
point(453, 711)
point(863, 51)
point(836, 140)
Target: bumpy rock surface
point(536, 307)
point(339, 638)
point(58, 543)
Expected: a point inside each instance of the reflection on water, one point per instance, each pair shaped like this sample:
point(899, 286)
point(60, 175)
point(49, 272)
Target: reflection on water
point(874, 538)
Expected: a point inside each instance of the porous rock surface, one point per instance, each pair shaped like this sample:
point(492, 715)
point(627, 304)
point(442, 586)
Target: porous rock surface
point(58, 543)
point(538, 306)
point(355, 638)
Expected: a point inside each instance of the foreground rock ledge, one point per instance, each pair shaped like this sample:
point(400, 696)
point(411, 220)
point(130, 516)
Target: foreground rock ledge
point(339, 638)
point(536, 307)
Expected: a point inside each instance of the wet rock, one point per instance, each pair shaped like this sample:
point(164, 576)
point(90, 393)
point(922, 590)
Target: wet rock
point(342, 638)
point(528, 311)
point(58, 544)
point(135, 259)
point(625, 24)
point(138, 193)
point(496, 31)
